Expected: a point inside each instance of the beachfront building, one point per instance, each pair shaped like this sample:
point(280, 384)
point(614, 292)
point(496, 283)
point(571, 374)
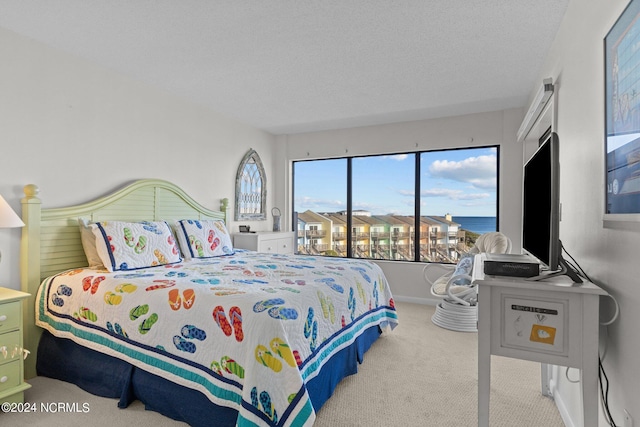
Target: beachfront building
point(396, 238)
point(390, 237)
point(379, 232)
point(338, 234)
point(450, 240)
point(314, 233)
point(360, 235)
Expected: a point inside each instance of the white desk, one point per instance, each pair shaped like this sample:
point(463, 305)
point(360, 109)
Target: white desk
point(548, 321)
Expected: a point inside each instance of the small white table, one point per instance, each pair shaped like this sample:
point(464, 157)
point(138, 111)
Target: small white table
point(551, 321)
point(279, 242)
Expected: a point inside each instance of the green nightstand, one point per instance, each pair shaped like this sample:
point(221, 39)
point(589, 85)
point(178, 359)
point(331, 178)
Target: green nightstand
point(12, 384)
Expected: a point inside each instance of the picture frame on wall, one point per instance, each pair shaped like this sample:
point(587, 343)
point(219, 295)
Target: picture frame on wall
point(622, 116)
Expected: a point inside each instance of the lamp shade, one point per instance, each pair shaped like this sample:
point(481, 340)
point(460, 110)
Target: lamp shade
point(8, 217)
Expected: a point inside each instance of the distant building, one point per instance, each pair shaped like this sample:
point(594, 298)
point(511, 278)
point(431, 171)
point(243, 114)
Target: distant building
point(392, 237)
point(314, 233)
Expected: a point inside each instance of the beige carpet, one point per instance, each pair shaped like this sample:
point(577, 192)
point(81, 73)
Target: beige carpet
point(422, 375)
point(416, 375)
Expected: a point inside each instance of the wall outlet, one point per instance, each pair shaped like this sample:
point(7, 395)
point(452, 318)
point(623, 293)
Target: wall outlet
point(628, 421)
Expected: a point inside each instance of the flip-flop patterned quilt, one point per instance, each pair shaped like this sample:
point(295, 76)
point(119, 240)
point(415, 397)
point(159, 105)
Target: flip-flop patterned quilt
point(249, 327)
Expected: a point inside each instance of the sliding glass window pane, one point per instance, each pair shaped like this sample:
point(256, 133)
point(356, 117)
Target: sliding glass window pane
point(458, 200)
point(382, 222)
point(320, 203)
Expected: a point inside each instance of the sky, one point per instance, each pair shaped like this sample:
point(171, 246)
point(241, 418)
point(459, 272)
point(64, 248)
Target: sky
point(460, 182)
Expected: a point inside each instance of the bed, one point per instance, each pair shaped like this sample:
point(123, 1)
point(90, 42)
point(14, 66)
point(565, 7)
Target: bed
point(198, 330)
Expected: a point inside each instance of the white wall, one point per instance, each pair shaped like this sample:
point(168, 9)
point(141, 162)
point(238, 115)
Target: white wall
point(79, 131)
point(494, 128)
point(609, 256)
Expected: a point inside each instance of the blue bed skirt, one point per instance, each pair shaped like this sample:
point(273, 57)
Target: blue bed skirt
point(106, 376)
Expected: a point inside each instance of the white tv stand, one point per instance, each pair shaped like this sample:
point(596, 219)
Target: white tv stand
point(550, 321)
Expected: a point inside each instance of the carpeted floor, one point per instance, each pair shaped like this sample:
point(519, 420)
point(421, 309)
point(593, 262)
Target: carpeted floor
point(422, 375)
point(416, 375)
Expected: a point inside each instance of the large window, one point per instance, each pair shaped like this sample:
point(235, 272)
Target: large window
point(320, 194)
point(425, 206)
point(379, 223)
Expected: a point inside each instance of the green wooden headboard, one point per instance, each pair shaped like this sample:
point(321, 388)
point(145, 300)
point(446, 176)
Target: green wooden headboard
point(51, 237)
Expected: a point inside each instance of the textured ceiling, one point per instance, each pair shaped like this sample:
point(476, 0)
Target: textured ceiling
point(297, 66)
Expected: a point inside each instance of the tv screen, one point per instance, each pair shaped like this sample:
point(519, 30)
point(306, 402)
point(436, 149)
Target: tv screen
point(541, 204)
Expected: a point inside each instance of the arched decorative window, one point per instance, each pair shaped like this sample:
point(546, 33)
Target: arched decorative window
point(251, 189)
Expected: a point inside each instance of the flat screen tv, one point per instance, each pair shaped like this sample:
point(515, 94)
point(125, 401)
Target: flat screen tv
point(541, 209)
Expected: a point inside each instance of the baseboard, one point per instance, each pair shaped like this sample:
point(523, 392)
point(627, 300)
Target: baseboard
point(565, 414)
point(569, 417)
point(416, 300)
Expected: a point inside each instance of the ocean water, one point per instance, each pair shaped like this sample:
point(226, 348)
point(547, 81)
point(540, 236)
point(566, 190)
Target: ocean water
point(477, 224)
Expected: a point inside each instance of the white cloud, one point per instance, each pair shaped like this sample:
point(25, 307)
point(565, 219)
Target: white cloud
point(479, 171)
point(449, 193)
point(453, 194)
point(398, 157)
point(318, 204)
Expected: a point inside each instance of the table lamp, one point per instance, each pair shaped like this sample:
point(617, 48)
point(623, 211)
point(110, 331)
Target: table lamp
point(8, 218)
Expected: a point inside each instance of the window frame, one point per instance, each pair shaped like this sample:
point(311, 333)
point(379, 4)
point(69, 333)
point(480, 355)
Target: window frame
point(349, 243)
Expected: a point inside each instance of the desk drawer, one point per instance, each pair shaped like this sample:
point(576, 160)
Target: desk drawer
point(10, 316)
point(9, 375)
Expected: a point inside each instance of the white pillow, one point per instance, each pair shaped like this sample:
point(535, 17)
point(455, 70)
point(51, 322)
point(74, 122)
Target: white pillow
point(134, 245)
point(89, 244)
point(203, 238)
point(460, 278)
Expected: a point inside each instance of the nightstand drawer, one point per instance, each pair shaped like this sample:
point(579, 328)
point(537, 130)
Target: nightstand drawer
point(277, 242)
point(284, 246)
point(10, 342)
point(10, 316)
point(269, 246)
point(9, 375)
